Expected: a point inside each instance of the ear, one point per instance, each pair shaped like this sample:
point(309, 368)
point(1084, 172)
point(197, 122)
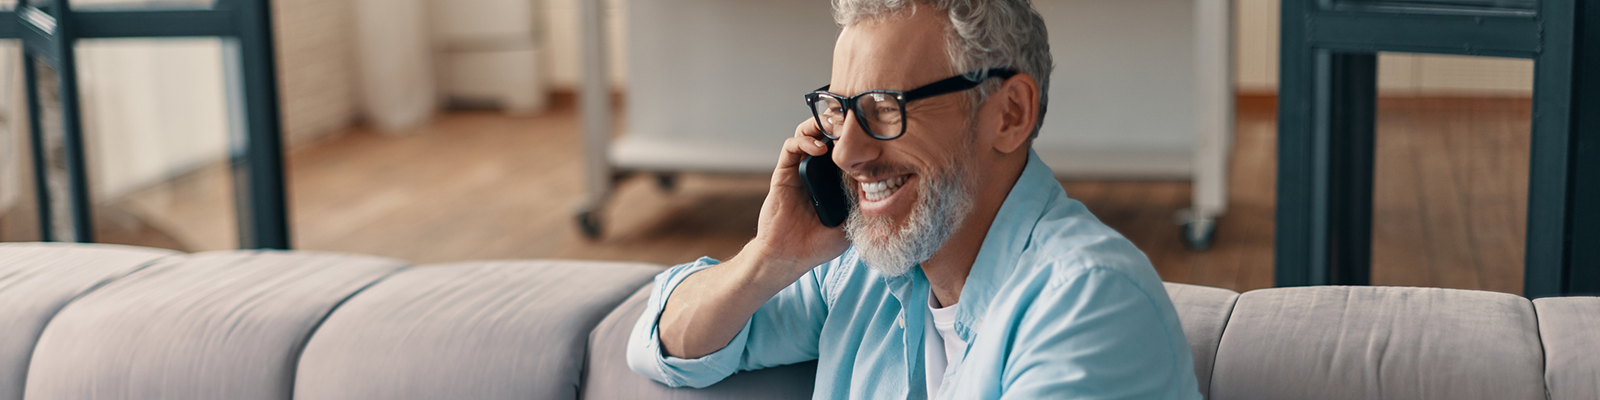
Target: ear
point(1018, 100)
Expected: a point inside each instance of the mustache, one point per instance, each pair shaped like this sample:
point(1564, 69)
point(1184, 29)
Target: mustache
point(880, 169)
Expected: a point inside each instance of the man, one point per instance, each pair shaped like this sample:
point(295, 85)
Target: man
point(962, 271)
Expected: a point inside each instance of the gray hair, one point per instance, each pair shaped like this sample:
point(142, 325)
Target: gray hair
point(984, 34)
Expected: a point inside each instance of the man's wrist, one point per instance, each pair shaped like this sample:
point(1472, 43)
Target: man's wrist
point(763, 267)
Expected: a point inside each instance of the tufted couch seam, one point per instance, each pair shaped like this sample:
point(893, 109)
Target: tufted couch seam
point(1211, 370)
point(1544, 357)
point(294, 376)
point(102, 283)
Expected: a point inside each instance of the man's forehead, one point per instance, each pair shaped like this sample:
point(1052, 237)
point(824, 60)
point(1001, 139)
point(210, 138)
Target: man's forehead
point(897, 52)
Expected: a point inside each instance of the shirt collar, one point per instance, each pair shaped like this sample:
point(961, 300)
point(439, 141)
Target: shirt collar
point(1008, 237)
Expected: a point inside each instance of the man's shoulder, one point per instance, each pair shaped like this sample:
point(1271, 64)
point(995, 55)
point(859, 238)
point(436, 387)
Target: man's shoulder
point(1068, 243)
point(1072, 260)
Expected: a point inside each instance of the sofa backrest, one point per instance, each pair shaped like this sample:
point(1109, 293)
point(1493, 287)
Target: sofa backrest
point(113, 322)
point(225, 325)
point(1341, 342)
point(472, 330)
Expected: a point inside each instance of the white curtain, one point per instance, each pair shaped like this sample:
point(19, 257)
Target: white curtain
point(396, 63)
point(12, 130)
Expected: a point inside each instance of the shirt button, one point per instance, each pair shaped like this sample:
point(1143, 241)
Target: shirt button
point(901, 320)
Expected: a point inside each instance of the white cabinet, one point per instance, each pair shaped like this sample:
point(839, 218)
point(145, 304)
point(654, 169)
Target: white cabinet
point(489, 53)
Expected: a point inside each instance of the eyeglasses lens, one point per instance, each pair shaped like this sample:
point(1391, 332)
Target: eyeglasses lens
point(830, 114)
point(880, 111)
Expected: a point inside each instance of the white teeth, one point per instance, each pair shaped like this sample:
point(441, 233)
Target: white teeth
point(874, 191)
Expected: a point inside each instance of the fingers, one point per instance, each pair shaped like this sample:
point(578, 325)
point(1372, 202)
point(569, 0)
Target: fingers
point(807, 140)
point(812, 141)
point(806, 145)
point(808, 128)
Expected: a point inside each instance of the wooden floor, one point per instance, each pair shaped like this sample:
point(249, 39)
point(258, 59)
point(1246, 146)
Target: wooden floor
point(1450, 201)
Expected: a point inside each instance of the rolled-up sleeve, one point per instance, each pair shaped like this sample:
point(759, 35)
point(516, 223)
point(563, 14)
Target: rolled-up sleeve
point(783, 331)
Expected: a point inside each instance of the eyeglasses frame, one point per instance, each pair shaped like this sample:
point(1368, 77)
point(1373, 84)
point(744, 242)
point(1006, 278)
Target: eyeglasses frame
point(945, 86)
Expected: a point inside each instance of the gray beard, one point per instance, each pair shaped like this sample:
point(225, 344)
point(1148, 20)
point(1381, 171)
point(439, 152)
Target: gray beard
point(943, 202)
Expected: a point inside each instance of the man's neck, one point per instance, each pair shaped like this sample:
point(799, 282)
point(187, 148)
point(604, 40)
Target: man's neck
point(947, 270)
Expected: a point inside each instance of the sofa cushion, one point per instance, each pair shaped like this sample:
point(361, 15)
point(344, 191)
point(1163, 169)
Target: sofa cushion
point(608, 377)
point(224, 325)
point(37, 280)
point(1570, 329)
point(1332, 342)
point(1203, 311)
point(477, 330)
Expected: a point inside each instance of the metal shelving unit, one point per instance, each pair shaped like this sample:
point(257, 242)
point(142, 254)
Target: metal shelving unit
point(49, 29)
point(1326, 134)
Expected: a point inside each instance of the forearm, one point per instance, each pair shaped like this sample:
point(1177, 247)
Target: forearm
point(709, 308)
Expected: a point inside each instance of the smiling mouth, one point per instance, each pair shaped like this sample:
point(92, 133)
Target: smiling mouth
point(874, 191)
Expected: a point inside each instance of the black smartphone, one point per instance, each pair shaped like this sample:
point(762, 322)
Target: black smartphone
point(822, 181)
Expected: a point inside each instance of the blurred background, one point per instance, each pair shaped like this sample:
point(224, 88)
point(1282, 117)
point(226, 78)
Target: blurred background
point(434, 130)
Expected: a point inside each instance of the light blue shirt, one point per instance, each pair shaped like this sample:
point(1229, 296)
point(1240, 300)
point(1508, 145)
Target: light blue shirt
point(1057, 305)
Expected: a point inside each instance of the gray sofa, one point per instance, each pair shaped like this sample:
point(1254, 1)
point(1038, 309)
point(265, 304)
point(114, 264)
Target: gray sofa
point(115, 322)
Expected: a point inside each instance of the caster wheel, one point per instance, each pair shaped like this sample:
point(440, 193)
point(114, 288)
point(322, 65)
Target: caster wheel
point(1198, 235)
point(667, 182)
point(589, 223)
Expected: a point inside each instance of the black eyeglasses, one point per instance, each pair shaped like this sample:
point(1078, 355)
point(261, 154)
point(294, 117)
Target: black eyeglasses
point(883, 112)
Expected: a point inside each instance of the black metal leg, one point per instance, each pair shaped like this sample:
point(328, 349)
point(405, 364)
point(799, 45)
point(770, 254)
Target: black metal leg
point(1325, 167)
point(41, 165)
point(1564, 182)
point(1293, 258)
point(258, 172)
point(1585, 271)
point(72, 128)
point(50, 41)
point(1351, 108)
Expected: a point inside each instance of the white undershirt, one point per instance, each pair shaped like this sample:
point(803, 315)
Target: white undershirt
point(940, 334)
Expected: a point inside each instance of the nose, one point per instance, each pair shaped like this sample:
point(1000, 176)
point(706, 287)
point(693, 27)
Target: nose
point(854, 148)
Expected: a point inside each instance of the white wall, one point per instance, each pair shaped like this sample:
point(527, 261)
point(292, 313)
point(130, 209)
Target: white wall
point(1398, 74)
point(1124, 82)
point(726, 71)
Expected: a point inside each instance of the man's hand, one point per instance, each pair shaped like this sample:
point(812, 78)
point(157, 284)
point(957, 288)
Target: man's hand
point(789, 234)
point(710, 307)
